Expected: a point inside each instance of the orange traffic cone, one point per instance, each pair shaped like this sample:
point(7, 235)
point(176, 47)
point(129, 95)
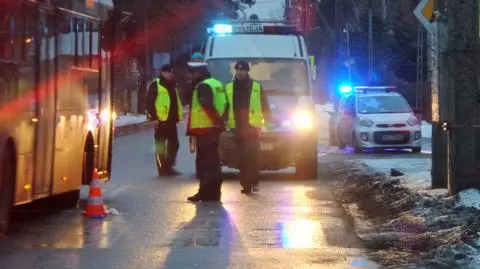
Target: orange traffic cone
point(95, 208)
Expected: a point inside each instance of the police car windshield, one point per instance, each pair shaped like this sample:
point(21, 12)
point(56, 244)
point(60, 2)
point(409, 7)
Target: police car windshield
point(382, 104)
point(282, 76)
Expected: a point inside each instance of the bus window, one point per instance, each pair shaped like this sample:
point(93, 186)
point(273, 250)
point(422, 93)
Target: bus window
point(95, 45)
point(82, 43)
point(11, 34)
point(65, 60)
point(27, 72)
point(10, 50)
point(75, 41)
point(88, 43)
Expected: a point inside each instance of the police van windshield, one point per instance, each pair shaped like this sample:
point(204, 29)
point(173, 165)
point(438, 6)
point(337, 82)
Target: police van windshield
point(383, 104)
point(288, 76)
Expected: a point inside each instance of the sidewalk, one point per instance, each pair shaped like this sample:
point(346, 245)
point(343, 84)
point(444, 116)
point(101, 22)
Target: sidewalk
point(126, 124)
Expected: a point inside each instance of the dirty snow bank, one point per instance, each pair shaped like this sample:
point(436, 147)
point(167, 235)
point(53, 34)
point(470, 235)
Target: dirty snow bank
point(469, 198)
point(402, 227)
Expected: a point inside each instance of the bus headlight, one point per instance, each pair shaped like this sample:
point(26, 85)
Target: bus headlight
point(105, 115)
point(303, 120)
point(92, 120)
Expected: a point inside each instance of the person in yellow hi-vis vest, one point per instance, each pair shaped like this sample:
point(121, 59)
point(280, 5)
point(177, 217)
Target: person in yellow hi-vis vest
point(205, 123)
point(164, 106)
point(248, 111)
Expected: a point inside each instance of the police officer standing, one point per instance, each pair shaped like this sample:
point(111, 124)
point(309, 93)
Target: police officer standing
point(197, 57)
point(165, 107)
point(248, 110)
point(206, 123)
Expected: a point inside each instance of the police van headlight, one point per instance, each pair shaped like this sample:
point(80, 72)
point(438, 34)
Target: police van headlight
point(303, 119)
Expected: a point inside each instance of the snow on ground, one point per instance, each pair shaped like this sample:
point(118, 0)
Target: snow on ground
point(469, 198)
point(416, 171)
point(129, 119)
point(323, 118)
point(405, 227)
point(426, 129)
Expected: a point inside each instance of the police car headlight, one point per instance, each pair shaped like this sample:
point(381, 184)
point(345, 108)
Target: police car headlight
point(303, 120)
point(413, 121)
point(365, 122)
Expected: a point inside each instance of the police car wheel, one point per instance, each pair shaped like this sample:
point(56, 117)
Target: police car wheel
point(355, 146)
point(417, 149)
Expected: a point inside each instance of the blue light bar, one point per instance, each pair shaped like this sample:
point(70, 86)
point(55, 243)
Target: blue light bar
point(346, 89)
point(222, 28)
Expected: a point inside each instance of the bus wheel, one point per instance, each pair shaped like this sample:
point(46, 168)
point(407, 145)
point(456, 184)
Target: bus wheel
point(69, 200)
point(7, 180)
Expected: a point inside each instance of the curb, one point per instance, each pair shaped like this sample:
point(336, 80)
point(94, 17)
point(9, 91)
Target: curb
point(132, 128)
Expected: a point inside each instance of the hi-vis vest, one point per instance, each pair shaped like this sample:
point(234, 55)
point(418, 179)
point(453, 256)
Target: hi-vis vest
point(255, 115)
point(162, 103)
point(198, 117)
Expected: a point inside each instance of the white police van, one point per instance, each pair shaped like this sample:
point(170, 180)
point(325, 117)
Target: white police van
point(279, 60)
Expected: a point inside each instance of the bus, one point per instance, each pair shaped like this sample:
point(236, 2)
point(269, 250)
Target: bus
point(56, 122)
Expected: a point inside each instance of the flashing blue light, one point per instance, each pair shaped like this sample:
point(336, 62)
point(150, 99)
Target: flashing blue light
point(222, 28)
point(346, 89)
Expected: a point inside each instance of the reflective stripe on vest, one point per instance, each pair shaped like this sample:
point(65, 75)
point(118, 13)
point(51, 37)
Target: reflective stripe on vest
point(255, 115)
point(162, 103)
point(198, 117)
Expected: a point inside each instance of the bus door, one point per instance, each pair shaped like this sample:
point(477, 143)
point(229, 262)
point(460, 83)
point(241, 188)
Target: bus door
point(45, 97)
point(105, 134)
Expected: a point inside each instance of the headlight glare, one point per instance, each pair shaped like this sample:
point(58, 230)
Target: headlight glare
point(303, 120)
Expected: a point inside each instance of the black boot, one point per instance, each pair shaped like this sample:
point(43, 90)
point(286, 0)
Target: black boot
point(195, 198)
point(212, 197)
point(173, 172)
point(247, 189)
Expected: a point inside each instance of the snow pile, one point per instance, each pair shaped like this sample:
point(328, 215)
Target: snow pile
point(426, 129)
point(416, 171)
point(469, 198)
point(130, 119)
point(323, 119)
point(404, 227)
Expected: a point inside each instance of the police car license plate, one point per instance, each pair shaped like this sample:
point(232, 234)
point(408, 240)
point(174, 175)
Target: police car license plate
point(266, 146)
point(392, 137)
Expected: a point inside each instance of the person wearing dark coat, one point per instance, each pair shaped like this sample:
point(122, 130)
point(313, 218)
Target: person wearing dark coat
point(164, 106)
point(205, 124)
point(249, 111)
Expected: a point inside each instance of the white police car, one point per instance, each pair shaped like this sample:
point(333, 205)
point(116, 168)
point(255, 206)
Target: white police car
point(374, 118)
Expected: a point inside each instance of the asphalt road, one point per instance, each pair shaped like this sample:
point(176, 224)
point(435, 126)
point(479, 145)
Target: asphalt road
point(288, 224)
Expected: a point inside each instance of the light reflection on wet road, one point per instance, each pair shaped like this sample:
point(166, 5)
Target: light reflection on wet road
point(289, 224)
